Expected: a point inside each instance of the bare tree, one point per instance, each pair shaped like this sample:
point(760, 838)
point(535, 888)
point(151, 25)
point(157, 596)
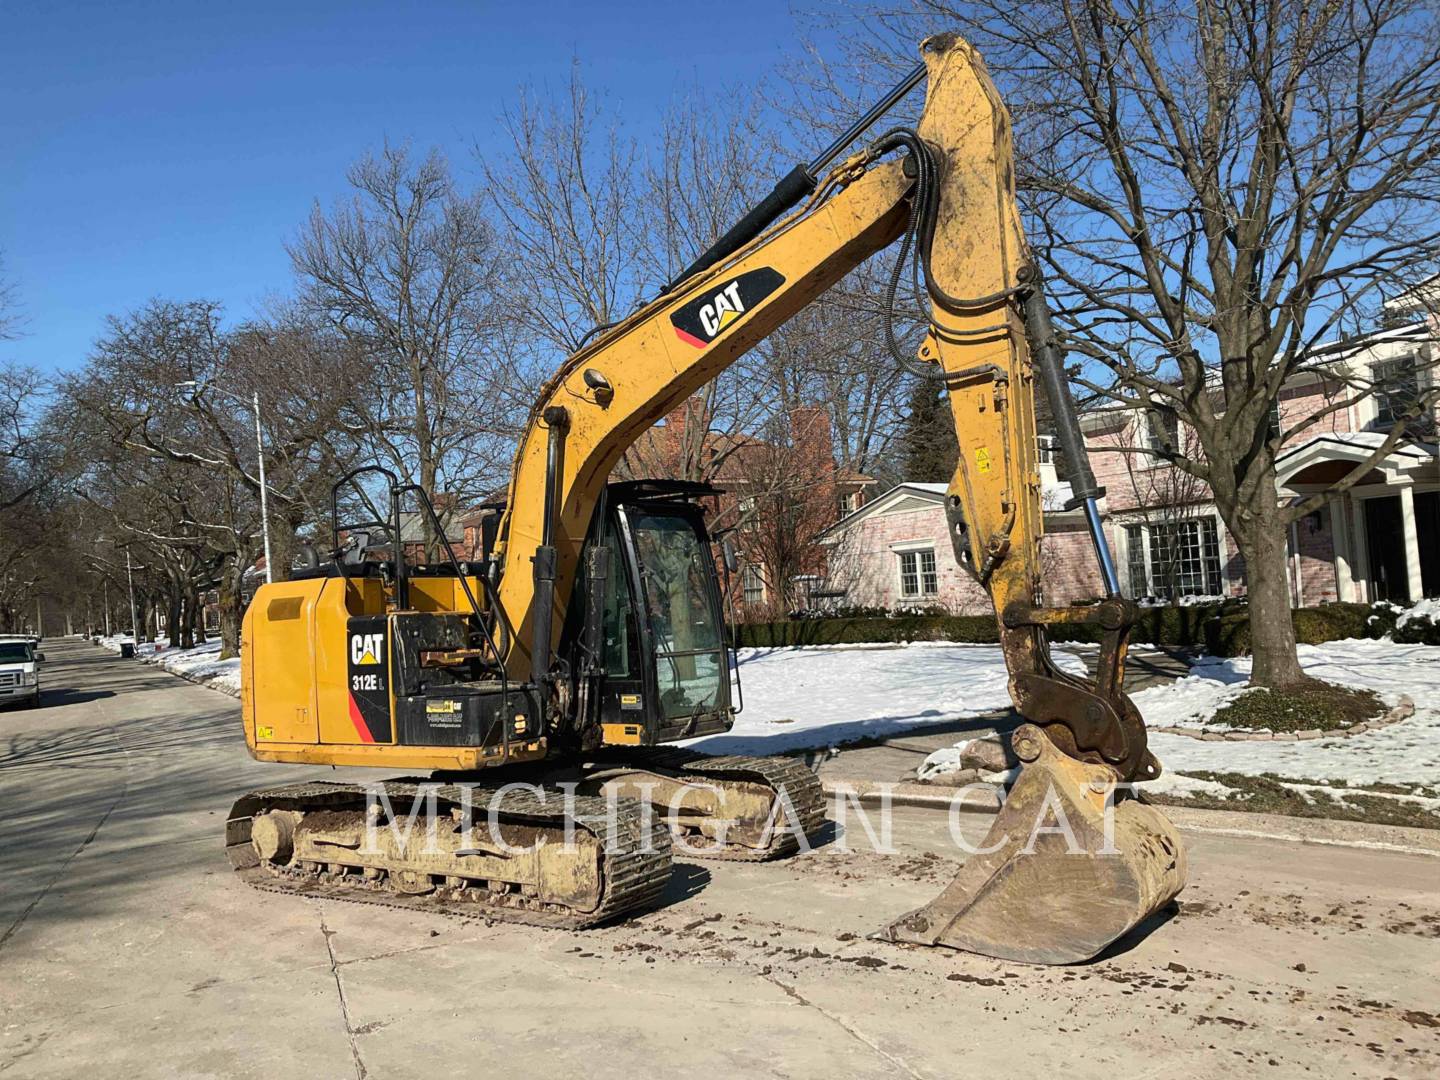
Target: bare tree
point(1219, 190)
point(407, 273)
point(568, 200)
point(161, 419)
point(10, 316)
point(25, 460)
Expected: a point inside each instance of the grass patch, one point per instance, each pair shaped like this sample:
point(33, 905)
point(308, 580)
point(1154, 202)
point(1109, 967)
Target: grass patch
point(1322, 707)
point(1269, 795)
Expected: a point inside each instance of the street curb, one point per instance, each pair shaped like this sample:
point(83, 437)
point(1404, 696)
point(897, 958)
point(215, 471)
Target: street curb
point(909, 793)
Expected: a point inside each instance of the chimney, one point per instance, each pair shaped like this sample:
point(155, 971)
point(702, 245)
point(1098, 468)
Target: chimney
point(810, 434)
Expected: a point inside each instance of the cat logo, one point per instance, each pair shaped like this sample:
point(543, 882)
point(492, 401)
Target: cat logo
point(703, 319)
point(366, 648)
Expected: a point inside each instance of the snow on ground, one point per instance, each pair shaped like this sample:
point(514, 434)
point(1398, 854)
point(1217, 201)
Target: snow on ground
point(201, 664)
point(816, 697)
point(822, 696)
point(1404, 753)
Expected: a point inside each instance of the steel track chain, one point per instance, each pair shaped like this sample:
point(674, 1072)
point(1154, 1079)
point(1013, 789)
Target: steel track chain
point(801, 786)
point(636, 873)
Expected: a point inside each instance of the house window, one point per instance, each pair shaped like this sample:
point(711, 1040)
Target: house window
point(1272, 425)
point(747, 513)
point(1175, 558)
point(918, 576)
point(1162, 430)
point(846, 504)
point(1397, 389)
point(752, 584)
point(1045, 449)
point(1135, 549)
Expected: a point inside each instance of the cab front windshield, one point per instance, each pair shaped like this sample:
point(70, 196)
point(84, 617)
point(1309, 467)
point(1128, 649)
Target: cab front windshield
point(677, 575)
point(14, 652)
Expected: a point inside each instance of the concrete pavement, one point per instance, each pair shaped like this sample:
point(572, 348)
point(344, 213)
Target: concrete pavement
point(127, 948)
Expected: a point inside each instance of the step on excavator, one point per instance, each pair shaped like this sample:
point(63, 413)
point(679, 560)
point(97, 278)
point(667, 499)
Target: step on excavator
point(589, 631)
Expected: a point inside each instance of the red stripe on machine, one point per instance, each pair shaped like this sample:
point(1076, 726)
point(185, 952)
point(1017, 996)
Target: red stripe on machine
point(359, 721)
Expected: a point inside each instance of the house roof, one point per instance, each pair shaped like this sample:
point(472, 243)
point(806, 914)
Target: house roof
point(930, 493)
point(1352, 448)
point(1053, 497)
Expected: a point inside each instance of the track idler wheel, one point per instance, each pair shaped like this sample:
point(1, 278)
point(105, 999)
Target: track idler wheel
point(1060, 875)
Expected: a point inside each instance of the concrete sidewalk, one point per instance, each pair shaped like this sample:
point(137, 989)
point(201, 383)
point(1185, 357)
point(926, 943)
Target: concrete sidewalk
point(127, 948)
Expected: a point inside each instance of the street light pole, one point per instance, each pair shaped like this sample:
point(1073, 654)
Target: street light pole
point(264, 502)
point(260, 457)
point(130, 577)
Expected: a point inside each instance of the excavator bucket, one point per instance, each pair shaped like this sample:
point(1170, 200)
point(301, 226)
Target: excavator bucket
point(1065, 870)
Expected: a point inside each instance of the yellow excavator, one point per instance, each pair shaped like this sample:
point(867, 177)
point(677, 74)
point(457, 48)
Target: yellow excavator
point(540, 680)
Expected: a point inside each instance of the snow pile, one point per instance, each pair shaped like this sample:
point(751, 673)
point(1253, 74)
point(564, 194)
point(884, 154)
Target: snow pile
point(201, 664)
point(145, 648)
point(1212, 600)
point(1183, 787)
point(1428, 610)
point(822, 696)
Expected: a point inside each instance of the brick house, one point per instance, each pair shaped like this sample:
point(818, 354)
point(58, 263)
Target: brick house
point(778, 492)
point(894, 552)
point(1380, 540)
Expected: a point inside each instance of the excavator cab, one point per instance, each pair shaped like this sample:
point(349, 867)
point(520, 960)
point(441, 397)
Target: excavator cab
point(649, 635)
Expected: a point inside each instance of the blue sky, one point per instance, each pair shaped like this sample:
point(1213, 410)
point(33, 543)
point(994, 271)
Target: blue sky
point(170, 149)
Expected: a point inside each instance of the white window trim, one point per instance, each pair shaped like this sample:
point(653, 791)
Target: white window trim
point(914, 547)
point(1122, 546)
point(746, 569)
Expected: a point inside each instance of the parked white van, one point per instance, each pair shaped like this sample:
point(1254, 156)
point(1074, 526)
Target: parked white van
point(19, 671)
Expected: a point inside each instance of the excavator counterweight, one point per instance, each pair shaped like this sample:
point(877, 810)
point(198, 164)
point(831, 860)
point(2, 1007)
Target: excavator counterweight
point(588, 631)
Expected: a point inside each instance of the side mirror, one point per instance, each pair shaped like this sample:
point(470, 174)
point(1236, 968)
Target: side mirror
point(39, 657)
point(727, 553)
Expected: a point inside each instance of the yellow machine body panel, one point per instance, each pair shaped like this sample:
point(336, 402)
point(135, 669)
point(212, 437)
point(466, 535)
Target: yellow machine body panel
point(278, 650)
point(444, 594)
point(296, 701)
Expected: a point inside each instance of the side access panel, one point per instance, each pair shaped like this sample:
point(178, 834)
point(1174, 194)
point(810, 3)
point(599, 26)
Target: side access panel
point(276, 645)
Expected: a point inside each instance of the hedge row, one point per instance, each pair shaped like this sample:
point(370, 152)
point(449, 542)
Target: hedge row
point(1218, 629)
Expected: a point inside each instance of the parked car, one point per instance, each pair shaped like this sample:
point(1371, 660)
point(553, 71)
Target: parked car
point(19, 671)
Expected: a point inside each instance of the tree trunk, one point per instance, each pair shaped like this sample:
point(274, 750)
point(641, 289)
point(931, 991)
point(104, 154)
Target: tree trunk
point(172, 619)
point(1272, 633)
point(231, 609)
point(197, 602)
point(187, 624)
point(425, 451)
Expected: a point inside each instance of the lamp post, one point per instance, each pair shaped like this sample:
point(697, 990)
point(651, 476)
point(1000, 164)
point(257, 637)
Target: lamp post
point(254, 404)
point(134, 627)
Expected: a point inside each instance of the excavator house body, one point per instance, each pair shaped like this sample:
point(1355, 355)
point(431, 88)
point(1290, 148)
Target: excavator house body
point(336, 672)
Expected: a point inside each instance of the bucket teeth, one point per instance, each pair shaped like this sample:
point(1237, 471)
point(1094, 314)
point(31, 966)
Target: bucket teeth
point(1060, 875)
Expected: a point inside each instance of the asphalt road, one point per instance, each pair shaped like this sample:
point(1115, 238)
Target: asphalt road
point(127, 949)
